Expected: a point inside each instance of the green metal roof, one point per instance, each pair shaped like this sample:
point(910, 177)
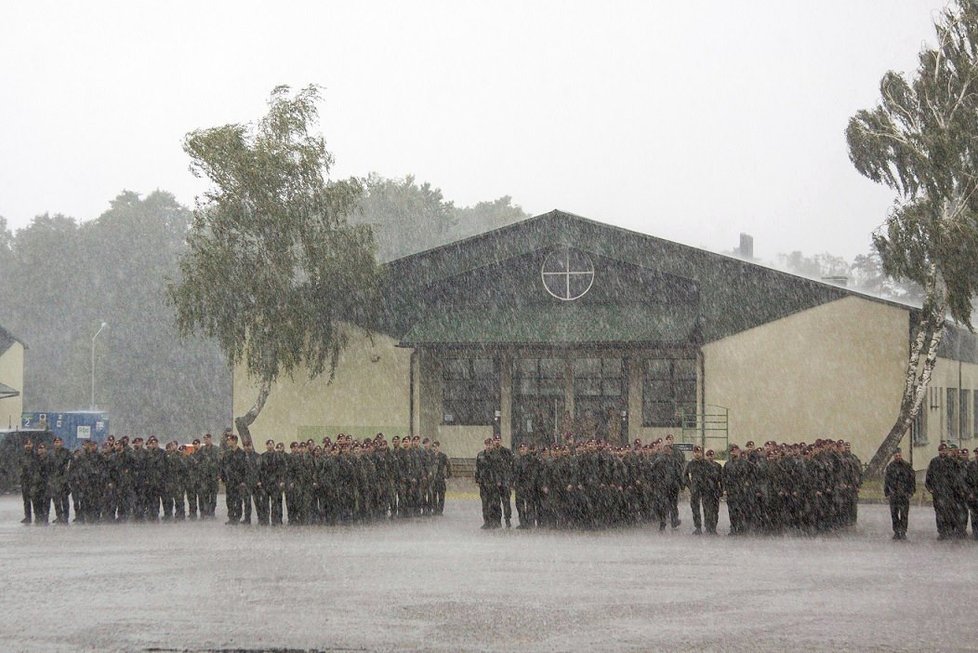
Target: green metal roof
point(731, 295)
point(562, 324)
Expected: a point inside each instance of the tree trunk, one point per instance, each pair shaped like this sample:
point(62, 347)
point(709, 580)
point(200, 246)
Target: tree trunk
point(242, 423)
point(928, 337)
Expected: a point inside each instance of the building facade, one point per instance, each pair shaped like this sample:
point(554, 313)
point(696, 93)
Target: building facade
point(11, 379)
point(561, 325)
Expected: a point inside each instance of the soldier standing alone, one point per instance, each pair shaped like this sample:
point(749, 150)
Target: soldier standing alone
point(899, 484)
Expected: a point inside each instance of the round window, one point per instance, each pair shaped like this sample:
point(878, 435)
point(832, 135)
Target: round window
point(567, 273)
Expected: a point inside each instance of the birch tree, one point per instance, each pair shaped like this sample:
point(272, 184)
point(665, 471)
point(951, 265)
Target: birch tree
point(921, 140)
point(273, 270)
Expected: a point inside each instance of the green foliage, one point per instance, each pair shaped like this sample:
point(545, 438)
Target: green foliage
point(922, 141)
point(408, 218)
point(485, 216)
point(59, 279)
point(818, 266)
point(405, 217)
point(273, 270)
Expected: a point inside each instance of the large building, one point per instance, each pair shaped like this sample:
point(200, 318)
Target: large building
point(11, 379)
point(561, 324)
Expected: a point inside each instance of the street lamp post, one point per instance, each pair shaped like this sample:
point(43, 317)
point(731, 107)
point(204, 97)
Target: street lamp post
point(93, 361)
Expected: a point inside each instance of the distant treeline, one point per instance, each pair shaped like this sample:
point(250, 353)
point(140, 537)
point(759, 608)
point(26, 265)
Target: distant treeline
point(61, 278)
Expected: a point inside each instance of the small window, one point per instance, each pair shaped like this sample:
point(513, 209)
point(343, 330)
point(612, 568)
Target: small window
point(668, 391)
point(918, 431)
point(974, 412)
point(965, 421)
point(952, 414)
point(470, 391)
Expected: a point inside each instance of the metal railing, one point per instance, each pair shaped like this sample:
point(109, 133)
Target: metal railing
point(710, 429)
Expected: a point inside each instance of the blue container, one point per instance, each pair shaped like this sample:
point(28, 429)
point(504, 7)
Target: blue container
point(74, 427)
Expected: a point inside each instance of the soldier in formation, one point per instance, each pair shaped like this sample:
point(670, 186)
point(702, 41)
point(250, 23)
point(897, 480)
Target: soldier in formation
point(772, 489)
point(952, 480)
point(329, 483)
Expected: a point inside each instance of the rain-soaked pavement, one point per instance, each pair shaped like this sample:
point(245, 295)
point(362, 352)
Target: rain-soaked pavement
point(442, 584)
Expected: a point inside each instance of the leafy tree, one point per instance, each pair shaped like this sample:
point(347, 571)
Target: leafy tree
point(405, 217)
point(819, 266)
point(61, 278)
point(408, 217)
point(922, 142)
point(485, 216)
point(274, 272)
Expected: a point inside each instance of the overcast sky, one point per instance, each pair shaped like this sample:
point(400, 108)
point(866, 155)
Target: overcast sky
point(693, 121)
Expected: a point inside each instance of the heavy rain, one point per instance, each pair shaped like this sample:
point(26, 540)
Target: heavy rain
point(538, 327)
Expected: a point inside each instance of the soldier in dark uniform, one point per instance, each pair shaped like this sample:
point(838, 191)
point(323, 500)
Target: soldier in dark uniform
point(344, 483)
point(40, 472)
point(899, 484)
point(174, 468)
point(110, 485)
point(208, 471)
point(941, 481)
point(155, 462)
point(74, 477)
point(60, 459)
point(386, 483)
point(671, 466)
point(192, 482)
point(502, 460)
point(25, 470)
point(252, 480)
point(90, 480)
point(770, 483)
point(366, 478)
point(319, 491)
point(673, 489)
point(427, 472)
point(712, 492)
point(488, 490)
point(852, 472)
point(961, 494)
point(137, 467)
point(523, 481)
point(971, 491)
point(694, 477)
point(272, 472)
point(292, 472)
point(123, 464)
point(738, 481)
point(545, 491)
point(233, 471)
point(442, 472)
point(328, 473)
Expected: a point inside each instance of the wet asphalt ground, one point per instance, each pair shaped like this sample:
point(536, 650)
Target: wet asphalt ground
point(442, 584)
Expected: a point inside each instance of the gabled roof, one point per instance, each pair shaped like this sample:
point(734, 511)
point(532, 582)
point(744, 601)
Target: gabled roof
point(7, 340)
point(734, 295)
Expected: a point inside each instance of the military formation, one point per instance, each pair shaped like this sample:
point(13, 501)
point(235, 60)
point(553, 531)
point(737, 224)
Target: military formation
point(341, 482)
point(806, 488)
point(776, 488)
point(952, 480)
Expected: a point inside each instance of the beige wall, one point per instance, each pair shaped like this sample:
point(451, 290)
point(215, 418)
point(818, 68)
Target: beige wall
point(368, 394)
point(831, 371)
point(947, 374)
point(12, 374)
